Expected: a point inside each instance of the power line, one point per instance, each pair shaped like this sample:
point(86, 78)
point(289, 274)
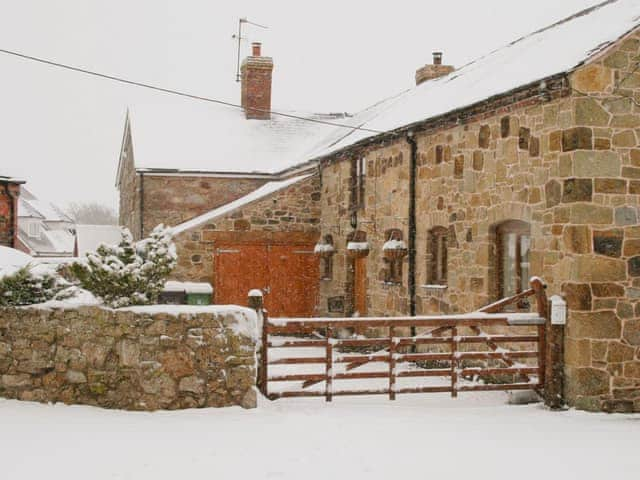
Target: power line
point(177, 92)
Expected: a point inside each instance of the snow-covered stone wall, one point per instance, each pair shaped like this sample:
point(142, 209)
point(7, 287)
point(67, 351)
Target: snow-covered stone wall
point(142, 358)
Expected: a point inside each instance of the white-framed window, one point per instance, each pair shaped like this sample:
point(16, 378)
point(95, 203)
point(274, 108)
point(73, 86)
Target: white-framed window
point(33, 229)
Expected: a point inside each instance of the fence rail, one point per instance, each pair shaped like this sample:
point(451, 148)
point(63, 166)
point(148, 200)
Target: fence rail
point(514, 359)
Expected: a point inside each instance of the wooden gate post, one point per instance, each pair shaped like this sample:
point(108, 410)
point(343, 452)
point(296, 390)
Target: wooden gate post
point(256, 302)
point(553, 355)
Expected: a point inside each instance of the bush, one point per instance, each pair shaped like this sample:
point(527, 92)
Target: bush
point(131, 273)
point(31, 284)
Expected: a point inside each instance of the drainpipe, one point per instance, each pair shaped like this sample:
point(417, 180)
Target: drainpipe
point(413, 162)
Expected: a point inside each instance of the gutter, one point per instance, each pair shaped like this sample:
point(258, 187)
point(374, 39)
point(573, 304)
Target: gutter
point(413, 162)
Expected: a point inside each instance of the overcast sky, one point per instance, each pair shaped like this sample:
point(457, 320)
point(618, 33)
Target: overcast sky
point(61, 131)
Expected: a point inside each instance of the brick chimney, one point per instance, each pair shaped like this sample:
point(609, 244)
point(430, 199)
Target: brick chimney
point(256, 84)
point(429, 72)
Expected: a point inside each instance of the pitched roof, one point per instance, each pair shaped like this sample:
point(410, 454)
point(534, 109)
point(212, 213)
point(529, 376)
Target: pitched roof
point(556, 49)
point(30, 206)
point(189, 136)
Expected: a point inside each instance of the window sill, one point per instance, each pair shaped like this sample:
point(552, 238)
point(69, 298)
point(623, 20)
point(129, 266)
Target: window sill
point(435, 287)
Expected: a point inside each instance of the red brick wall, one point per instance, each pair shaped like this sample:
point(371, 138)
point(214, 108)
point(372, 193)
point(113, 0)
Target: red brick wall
point(8, 213)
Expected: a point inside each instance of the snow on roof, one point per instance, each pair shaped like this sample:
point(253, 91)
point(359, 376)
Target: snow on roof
point(89, 237)
point(556, 49)
point(265, 190)
point(10, 257)
point(30, 206)
point(183, 135)
point(7, 179)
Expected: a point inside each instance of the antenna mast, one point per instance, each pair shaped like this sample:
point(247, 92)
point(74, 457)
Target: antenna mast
point(240, 38)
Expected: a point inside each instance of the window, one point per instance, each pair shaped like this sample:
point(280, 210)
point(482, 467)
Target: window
point(326, 258)
point(34, 230)
point(358, 176)
point(394, 251)
point(437, 256)
point(513, 245)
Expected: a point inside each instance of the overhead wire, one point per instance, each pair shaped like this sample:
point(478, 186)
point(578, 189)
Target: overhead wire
point(179, 92)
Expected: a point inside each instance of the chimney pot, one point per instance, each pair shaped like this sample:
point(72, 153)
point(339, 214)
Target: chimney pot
point(434, 70)
point(255, 49)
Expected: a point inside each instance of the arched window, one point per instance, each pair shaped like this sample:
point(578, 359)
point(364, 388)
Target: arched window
point(513, 245)
point(394, 250)
point(437, 256)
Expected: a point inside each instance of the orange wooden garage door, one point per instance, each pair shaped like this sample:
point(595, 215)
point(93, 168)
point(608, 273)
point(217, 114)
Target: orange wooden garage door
point(287, 274)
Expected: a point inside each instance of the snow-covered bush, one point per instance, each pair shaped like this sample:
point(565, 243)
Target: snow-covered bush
point(31, 284)
point(131, 273)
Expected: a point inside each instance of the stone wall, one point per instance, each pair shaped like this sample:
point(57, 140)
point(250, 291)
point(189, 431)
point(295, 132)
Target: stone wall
point(290, 215)
point(8, 212)
point(138, 359)
point(568, 166)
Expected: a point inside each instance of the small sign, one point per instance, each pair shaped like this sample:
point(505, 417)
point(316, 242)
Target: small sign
point(558, 310)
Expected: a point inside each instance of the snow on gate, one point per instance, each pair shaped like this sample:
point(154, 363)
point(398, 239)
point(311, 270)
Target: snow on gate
point(454, 353)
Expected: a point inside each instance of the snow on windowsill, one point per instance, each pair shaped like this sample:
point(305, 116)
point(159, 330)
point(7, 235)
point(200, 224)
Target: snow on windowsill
point(357, 246)
point(394, 245)
point(435, 287)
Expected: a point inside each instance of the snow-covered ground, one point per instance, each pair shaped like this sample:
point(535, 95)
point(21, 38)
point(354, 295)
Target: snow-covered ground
point(476, 436)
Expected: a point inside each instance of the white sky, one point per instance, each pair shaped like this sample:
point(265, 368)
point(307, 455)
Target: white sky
point(61, 131)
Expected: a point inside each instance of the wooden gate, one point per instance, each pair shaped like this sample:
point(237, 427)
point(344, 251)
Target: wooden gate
point(460, 350)
point(286, 274)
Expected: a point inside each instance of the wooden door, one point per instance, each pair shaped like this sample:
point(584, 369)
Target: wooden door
point(294, 280)
point(238, 269)
point(288, 275)
point(360, 286)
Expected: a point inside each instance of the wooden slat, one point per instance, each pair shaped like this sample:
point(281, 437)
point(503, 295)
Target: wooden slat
point(378, 357)
point(441, 372)
point(392, 364)
point(499, 305)
point(299, 377)
point(501, 339)
point(296, 325)
point(500, 371)
point(499, 386)
point(329, 366)
point(433, 389)
point(293, 360)
point(297, 344)
point(454, 362)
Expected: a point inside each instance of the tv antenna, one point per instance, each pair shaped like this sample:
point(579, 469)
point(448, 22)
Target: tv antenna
point(240, 38)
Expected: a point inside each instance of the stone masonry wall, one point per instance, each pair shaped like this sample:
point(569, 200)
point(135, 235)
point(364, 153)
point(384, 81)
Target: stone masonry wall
point(290, 214)
point(129, 360)
point(569, 167)
point(173, 200)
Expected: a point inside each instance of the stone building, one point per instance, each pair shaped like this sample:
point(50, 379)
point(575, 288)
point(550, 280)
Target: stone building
point(525, 162)
point(9, 195)
point(446, 197)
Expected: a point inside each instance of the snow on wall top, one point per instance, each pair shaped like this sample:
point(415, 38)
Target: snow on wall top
point(556, 49)
point(261, 192)
point(188, 136)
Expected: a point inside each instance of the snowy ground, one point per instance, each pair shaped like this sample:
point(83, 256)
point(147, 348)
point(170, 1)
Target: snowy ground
point(418, 436)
